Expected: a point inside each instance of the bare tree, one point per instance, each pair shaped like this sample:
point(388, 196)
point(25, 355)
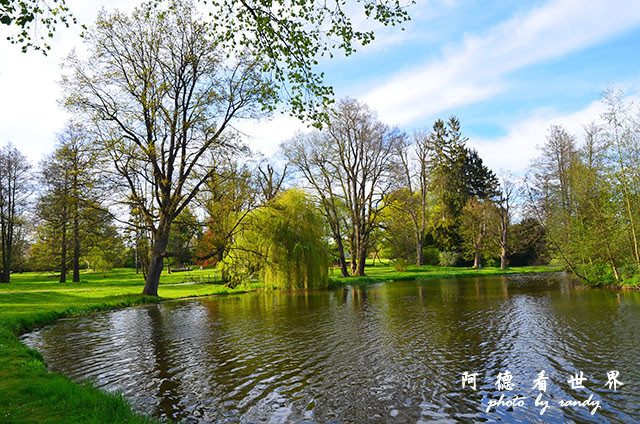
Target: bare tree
point(363, 151)
point(504, 208)
point(160, 95)
point(14, 191)
point(413, 178)
point(270, 181)
point(309, 154)
point(349, 163)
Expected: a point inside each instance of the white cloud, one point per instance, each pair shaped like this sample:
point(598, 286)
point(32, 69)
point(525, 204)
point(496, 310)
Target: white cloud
point(30, 115)
point(472, 70)
point(514, 151)
point(266, 135)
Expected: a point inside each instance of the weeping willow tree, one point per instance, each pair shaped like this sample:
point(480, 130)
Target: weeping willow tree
point(283, 242)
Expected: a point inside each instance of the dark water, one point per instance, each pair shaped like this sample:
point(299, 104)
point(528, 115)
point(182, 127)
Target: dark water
point(392, 352)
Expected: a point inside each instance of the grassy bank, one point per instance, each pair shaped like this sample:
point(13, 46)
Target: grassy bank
point(30, 394)
point(383, 272)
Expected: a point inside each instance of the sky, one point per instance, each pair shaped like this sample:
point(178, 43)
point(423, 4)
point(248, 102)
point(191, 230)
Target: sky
point(507, 69)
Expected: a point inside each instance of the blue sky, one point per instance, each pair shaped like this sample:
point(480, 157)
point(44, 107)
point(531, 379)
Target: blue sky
point(507, 69)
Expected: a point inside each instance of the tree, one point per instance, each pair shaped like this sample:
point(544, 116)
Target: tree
point(362, 152)
point(396, 236)
point(586, 197)
point(529, 245)
point(286, 38)
point(103, 245)
point(413, 199)
point(309, 154)
point(227, 198)
point(550, 193)
point(161, 95)
point(504, 210)
point(475, 223)
point(349, 163)
point(621, 133)
point(14, 192)
point(284, 241)
point(480, 186)
point(70, 195)
point(270, 181)
point(444, 163)
point(457, 174)
point(184, 231)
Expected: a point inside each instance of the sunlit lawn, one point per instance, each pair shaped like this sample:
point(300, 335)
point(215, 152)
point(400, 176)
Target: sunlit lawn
point(385, 272)
point(32, 298)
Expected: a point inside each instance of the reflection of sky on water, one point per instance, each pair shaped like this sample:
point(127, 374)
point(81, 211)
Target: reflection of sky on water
point(391, 352)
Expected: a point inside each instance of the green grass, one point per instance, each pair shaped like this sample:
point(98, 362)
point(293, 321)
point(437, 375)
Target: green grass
point(31, 394)
point(382, 272)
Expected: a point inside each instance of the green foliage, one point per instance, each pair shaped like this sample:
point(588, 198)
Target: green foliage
point(284, 241)
point(431, 256)
point(227, 197)
point(34, 21)
point(289, 38)
point(15, 188)
point(105, 246)
point(396, 238)
point(348, 167)
point(587, 195)
point(400, 264)
point(529, 244)
point(450, 259)
point(183, 233)
point(457, 174)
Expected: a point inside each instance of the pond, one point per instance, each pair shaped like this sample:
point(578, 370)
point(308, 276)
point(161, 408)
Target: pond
point(393, 352)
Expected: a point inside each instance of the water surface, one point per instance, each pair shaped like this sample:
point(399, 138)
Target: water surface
point(392, 352)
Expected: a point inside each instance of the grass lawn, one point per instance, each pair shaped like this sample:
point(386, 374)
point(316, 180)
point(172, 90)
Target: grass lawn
point(30, 394)
point(383, 272)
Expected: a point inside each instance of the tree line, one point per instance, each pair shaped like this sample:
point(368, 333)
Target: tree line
point(586, 194)
point(151, 165)
point(363, 189)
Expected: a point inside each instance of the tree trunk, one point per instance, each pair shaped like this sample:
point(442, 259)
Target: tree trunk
point(135, 251)
point(343, 261)
point(76, 250)
point(7, 223)
point(153, 275)
point(503, 258)
point(156, 259)
point(353, 269)
point(6, 255)
point(63, 255)
point(503, 247)
point(362, 258)
point(419, 247)
point(476, 259)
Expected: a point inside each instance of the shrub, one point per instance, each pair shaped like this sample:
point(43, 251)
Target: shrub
point(431, 256)
point(400, 264)
point(449, 259)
